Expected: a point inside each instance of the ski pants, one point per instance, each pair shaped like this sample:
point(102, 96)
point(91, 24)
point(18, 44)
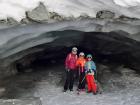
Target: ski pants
point(82, 81)
point(69, 80)
point(92, 87)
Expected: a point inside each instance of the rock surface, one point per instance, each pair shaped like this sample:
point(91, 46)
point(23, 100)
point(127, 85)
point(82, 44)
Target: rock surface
point(104, 14)
point(39, 14)
point(11, 21)
point(25, 21)
point(55, 16)
point(7, 23)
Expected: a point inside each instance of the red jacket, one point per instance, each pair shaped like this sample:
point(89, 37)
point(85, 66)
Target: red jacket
point(70, 62)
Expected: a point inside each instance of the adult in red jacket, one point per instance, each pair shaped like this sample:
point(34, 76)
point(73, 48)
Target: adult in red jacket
point(70, 65)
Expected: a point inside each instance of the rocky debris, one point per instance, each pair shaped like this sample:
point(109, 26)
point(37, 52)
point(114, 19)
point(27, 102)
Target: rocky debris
point(56, 16)
point(7, 23)
point(70, 18)
point(105, 14)
point(25, 21)
point(128, 79)
point(115, 77)
point(3, 24)
point(11, 21)
point(84, 16)
point(125, 18)
point(39, 14)
point(3, 21)
point(29, 101)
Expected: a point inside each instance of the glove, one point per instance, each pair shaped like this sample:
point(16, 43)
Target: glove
point(88, 72)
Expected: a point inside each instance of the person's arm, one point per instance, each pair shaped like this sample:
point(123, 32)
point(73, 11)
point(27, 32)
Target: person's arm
point(77, 63)
point(67, 61)
point(93, 66)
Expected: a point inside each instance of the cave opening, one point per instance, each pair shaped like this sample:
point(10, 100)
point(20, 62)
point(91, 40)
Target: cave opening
point(44, 69)
point(108, 50)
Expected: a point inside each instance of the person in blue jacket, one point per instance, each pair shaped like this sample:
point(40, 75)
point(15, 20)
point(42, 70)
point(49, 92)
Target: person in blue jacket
point(90, 69)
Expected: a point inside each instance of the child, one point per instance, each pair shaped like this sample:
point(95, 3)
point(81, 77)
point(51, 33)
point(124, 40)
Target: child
point(80, 63)
point(90, 69)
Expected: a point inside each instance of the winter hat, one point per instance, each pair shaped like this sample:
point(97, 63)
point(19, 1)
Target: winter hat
point(74, 49)
point(81, 54)
point(89, 56)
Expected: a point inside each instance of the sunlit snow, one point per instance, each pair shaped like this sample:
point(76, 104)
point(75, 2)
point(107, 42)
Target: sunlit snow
point(17, 8)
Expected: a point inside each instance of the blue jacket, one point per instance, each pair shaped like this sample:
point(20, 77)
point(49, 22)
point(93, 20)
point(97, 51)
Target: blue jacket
point(90, 66)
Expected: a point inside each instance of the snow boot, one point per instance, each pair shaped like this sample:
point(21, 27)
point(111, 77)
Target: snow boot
point(64, 91)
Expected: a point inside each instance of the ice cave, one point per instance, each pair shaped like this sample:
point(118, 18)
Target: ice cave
point(36, 38)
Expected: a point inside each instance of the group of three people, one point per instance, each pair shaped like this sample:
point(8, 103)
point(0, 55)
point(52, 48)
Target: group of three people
point(86, 69)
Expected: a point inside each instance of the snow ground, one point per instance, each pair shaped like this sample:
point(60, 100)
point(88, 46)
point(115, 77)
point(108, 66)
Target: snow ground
point(48, 86)
point(17, 8)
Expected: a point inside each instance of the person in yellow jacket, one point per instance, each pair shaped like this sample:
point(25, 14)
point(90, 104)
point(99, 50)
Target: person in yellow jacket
point(80, 63)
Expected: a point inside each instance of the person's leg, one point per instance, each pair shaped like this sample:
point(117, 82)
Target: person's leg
point(83, 80)
point(80, 79)
point(67, 80)
point(77, 74)
point(93, 84)
point(71, 79)
point(88, 83)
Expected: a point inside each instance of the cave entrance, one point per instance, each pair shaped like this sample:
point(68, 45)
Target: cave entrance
point(44, 71)
point(108, 50)
point(106, 47)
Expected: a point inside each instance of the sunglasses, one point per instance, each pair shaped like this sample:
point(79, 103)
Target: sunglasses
point(89, 57)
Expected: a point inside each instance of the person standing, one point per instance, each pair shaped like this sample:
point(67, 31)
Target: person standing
point(80, 63)
point(90, 69)
point(70, 65)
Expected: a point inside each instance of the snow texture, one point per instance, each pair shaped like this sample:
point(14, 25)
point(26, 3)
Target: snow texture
point(45, 83)
point(17, 8)
point(51, 94)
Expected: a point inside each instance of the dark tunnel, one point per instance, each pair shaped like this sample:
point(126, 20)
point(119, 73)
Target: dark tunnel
point(111, 52)
point(106, 48)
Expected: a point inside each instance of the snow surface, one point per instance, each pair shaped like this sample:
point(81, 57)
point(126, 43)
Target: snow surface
point(51, 94)
point(47, 83)
point(17, 8)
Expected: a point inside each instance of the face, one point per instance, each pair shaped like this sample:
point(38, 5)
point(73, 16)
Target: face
point(89, 58)
point(81, 56)
point(74, 52)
